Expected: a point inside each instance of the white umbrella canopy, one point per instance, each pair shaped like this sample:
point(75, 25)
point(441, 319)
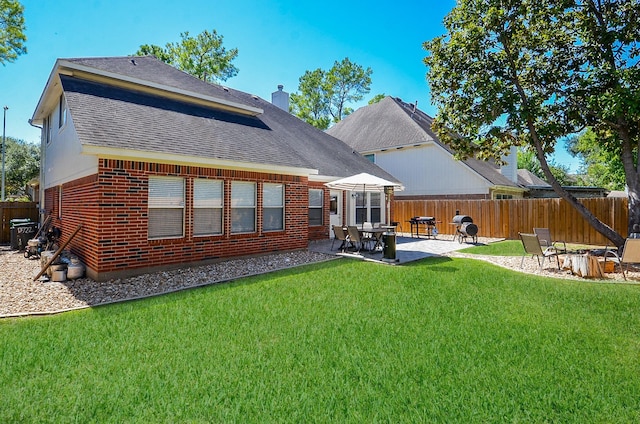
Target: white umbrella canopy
point(363, 182)
point(366, 183)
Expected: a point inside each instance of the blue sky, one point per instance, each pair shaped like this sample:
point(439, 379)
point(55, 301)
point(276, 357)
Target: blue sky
point(277, 42)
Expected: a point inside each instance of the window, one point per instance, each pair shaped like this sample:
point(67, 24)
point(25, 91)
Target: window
point(62, 112)
point(273, 207)
point(46, 130)
point(374, 207)
point(315, 206)
point(368, 207)
point(371, 157)
point(333, 205)
point(504, 196)
point(243, 207)
point(207, 207)
point(166, 207)
point(361, 207)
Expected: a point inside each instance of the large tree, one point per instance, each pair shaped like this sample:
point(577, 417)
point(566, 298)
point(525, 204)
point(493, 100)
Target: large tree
point(12, 37)
point(324, 95)
point(22, 164)
point(202, 56)
point(529, 72)
point(600, 167)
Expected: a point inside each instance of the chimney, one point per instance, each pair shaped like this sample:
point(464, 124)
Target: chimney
point(280, 98)
point(510, 169)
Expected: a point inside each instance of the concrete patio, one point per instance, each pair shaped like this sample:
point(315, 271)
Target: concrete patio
point(408, 249)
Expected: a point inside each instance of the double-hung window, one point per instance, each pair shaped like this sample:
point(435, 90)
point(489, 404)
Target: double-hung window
point(316, 197)
point(272, 207)
point(375, 203)
point(166, 207)
point(243, 207)
point(207, 207)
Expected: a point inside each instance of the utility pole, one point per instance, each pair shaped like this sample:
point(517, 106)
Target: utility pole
point(4, 142)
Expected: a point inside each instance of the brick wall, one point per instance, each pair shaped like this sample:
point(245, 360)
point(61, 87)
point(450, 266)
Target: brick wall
point(112, 207)
point(321, 232)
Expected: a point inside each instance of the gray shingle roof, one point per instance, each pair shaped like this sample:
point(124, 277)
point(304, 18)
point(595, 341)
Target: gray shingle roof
point(393, 123)
point(105, 115)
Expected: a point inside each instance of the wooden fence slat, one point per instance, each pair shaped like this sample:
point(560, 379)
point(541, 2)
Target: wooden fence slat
point(16, 210)
point(507, 218)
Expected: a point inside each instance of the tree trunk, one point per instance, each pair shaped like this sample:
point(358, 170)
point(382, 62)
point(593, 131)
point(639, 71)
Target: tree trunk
point(599, 226)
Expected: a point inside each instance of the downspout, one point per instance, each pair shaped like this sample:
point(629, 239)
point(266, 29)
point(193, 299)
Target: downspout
point(41, 186)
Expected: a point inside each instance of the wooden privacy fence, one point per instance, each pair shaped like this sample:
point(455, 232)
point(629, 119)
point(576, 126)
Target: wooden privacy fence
point(507, 218)
point(16, 210)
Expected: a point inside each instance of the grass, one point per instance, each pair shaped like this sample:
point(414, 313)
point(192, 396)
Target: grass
point(440, 340)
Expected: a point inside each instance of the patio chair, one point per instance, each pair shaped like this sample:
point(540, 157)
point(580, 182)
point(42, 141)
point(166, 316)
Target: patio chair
point(532, 247)
point(354, 238)
point(340, 235)
point(544, 235)
point(630, 254)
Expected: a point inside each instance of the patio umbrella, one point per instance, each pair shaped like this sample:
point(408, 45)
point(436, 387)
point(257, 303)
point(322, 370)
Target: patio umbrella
point(366, 183)
point(363, 182)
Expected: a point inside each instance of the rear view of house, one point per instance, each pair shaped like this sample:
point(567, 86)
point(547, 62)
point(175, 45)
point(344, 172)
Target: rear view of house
point(160, 168)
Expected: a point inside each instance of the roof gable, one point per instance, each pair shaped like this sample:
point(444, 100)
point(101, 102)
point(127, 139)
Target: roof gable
point(392, 123)
point(115, 110)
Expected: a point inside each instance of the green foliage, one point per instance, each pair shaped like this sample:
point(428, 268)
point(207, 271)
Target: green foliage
point(532, 72)
point(202, 56)
point(528, 160)
point(12, 28)
point(441, 340)
point(375, 99)
point(312, 104)
point(22, 164)
point(601, 167)
point(324, 95)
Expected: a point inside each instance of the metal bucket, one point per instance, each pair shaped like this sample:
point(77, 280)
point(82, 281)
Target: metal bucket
point(75, 270)
point(59, 275)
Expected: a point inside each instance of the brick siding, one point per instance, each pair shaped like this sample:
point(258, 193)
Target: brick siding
point(112, 208)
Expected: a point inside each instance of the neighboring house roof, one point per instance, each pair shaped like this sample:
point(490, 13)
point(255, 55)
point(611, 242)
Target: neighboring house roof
point(140, 105)
point(392, 123)
point(528, 178)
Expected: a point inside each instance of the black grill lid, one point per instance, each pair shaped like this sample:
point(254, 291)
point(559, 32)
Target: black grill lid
point(459, 219)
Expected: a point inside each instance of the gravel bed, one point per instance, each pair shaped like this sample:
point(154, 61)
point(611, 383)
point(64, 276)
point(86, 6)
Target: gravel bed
point(530, 266)
point(20, 295)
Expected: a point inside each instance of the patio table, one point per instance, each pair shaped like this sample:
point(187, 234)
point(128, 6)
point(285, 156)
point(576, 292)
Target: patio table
point(376, 233)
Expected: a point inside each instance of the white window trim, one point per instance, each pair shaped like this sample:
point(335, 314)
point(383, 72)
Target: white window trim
point(281, 207)
point(254, 207)
point(220, 207)
point(63, 112)
point(321, 207)
point(177, 206)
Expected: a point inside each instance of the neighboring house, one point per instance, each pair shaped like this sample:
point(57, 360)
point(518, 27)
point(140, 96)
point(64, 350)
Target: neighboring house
point(161, 168)
point(397, 136)
point(539, 188)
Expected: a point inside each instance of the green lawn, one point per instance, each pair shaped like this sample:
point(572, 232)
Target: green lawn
point(440, 340)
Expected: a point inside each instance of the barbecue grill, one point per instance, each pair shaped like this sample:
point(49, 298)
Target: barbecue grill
point(465, 228)
point(429, 224)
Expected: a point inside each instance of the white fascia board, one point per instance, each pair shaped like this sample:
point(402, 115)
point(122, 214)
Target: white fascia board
point(53, 80)
point(185, 160)
point(322, 178)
